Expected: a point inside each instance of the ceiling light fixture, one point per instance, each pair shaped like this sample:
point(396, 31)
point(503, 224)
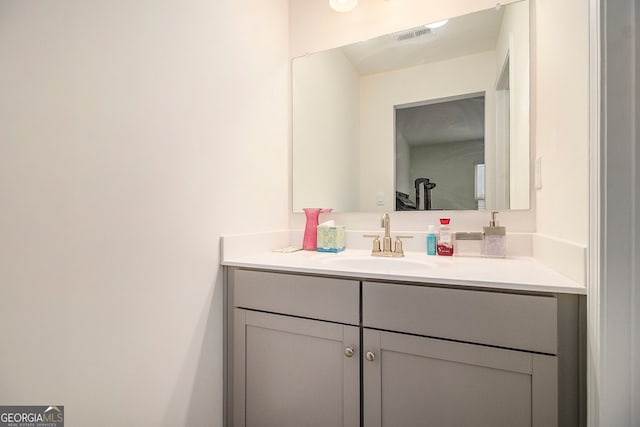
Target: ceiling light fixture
point(343, 5)
point(437, 24)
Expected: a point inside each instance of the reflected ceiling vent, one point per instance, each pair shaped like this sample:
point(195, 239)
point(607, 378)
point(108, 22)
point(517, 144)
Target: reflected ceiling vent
point(413, 34)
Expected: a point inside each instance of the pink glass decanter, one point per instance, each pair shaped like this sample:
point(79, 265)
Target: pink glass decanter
point(310, 240)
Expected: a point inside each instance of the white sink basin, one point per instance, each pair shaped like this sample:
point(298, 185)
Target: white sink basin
point(374, 264)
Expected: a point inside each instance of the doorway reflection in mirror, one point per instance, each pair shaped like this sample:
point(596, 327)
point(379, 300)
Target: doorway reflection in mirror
point(439, 144)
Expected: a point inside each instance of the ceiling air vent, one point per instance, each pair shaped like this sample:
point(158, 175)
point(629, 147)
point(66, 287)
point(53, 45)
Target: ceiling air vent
point(413, 34)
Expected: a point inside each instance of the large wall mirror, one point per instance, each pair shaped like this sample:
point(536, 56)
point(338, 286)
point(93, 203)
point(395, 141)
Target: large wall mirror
point(431, 118)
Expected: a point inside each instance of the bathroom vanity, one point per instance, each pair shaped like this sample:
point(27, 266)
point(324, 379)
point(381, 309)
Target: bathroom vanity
point(311, 346)
point(344, 340)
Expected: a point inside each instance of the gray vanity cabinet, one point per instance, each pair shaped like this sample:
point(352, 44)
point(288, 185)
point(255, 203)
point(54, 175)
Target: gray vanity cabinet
point(308, 351)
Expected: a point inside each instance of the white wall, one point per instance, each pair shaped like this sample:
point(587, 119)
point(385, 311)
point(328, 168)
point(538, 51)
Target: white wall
point(379, 93)
point(132, 134)
point(326, 102)
point(561, 109)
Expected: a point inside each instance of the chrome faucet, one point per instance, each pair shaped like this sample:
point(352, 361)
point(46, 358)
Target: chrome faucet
point(386, 250)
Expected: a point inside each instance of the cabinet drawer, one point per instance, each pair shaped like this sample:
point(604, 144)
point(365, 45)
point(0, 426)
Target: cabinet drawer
point(321, 298)
point(523, 322)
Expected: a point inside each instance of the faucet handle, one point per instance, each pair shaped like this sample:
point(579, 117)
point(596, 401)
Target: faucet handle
point(399, 249)
point(376, 242)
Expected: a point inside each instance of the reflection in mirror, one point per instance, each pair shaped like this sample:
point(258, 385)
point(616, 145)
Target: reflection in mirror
point(439, 153)
point(373, 121)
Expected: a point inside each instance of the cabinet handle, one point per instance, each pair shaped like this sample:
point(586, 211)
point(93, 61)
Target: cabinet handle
point(370, 356)
point(348, 351)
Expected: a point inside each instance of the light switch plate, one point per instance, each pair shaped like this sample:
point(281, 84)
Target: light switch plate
point(380, 198)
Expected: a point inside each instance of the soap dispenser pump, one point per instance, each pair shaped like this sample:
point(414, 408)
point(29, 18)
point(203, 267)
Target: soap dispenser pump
point(495, 239)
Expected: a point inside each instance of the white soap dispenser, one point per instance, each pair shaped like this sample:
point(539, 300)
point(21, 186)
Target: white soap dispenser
point(495, 239)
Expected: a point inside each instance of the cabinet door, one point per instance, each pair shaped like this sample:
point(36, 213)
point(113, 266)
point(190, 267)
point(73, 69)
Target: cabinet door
point(418, 381)
point(295, 372)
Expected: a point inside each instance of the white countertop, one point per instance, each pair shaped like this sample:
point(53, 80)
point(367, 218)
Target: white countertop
point(521, 273)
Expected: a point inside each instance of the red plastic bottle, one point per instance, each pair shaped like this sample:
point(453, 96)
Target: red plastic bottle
point(445, 238)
